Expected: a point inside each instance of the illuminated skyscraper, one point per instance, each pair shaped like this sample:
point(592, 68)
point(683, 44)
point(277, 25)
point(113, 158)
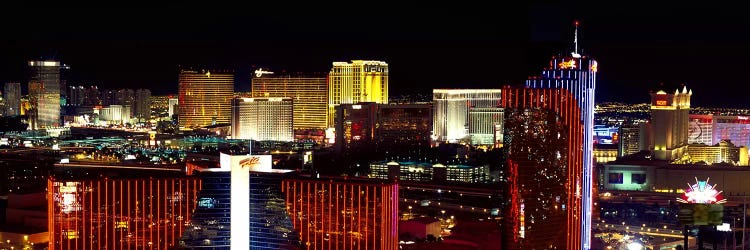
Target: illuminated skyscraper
point(262, 119)
point(12, 97)
point(669, 123)
point(119, 213)
point(75, 95)
point(344, 213)
point(358, 81)
point(309, 94)
point(576, 73)
point(142, 104)
point(451, 111)
point(44, 91)
point(543, 136)
point(631, 140)
point(205, 98)
point(486, 126)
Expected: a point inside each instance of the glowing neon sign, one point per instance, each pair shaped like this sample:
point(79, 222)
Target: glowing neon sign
point(568, 64)
point(702, 193)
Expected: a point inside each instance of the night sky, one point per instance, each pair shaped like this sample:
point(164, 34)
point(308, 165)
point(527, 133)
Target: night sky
point(457, 46)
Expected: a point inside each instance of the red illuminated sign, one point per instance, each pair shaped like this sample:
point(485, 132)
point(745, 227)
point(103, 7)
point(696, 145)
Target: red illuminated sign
point(661, 103)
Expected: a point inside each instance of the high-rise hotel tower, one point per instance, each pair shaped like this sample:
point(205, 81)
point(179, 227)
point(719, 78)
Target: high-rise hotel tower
point(358, 81)
point(576, 74)
point(44, 92)
point(205, 98)
point(451, 107)
point(308, 92)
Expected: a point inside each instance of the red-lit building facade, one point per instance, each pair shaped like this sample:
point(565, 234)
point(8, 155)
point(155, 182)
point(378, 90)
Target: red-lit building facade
point(120, 213)
point(343, 214)
point(544, 137)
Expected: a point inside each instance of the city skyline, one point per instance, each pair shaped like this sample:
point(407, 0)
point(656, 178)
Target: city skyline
point(478, 48)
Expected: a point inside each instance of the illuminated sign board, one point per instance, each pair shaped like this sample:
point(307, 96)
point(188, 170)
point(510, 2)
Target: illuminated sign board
point(260, 72)
point(69, 187)
point(661, 102)
point(256, 163)
point(702, 193)
point(571, 64)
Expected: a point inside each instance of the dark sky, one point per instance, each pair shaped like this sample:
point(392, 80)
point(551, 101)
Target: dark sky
point(462, 45)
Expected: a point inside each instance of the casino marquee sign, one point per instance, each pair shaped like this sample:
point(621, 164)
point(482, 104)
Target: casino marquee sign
point(701, 204)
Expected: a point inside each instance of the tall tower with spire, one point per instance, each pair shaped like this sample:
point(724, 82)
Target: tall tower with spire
point(576, 74)
point(669, 123)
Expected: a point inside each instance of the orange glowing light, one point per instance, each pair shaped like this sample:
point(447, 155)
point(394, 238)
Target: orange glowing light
point(571, 64)
point(661, 103)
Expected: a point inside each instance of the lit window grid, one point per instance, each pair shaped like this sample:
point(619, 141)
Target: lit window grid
point(203, 98)
point(451, 110)
point(714, 154)
point(359, 81)
point(309, 94)
point(564, 105)
point(12, 98)
point(738, 133)
point(469, 174)
point(150, 213)
point(482, 125)
point(263, 120)
point(580, 81)
point(629, 140)
point(332, 214)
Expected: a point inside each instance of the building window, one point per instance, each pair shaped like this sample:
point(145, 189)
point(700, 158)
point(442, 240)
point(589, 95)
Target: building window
point(615, 178)
point(638, 178)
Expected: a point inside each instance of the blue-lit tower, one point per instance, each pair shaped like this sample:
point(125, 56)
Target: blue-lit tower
point(577, 74)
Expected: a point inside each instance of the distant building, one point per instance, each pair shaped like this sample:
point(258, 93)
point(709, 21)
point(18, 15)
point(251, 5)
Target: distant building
point(486, 126)
point(425, 172)
point(733, 128)
point(12, 97)
point(669, 123)
point(142, 104)
point(173, 105)
point(76, 95)
point(309, 95)
point(358, 81)
point(700, 129)
point(263, 119)
point(44, 93)
point(205, 98)
point(604, 153)
point(451, 111)
point(630, 141)
point(114, 114)
point(355, 126)
point(403, 126)
point(722, 152)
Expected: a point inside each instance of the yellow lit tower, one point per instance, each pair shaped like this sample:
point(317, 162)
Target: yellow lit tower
point(205, 98)
point(669, 123)
point(358, 81)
